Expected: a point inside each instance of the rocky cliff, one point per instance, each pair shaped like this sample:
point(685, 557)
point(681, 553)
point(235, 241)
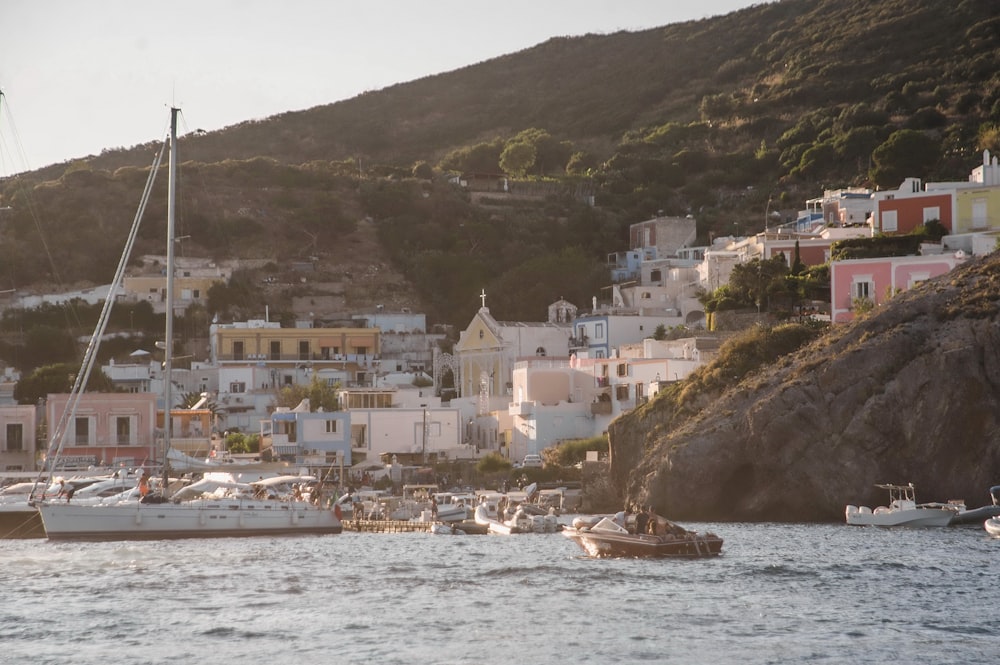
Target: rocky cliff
point(908, 393)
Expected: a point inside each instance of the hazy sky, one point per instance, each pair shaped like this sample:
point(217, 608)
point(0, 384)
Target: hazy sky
point(81, 76)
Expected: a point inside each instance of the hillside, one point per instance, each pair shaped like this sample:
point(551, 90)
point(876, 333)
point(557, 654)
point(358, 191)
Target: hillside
point(724, 118)
point(908, 394)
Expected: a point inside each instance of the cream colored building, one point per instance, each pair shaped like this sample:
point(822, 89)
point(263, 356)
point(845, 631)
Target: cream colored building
point(488, 349)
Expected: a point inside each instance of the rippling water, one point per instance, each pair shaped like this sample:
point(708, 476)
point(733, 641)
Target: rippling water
point(778, 594)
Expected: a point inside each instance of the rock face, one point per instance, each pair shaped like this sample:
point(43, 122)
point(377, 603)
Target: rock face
point(910, 393)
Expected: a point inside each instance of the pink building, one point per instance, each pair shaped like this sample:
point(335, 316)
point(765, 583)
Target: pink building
point(876, 280)
point(17, 437)
point(106, 429)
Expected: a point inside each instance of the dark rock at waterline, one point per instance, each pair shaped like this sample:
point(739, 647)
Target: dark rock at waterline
point(909, 393)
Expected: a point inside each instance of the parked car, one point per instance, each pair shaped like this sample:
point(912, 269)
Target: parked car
point(532, 461)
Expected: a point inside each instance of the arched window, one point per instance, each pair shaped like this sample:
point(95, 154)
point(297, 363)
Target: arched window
point(540, 351)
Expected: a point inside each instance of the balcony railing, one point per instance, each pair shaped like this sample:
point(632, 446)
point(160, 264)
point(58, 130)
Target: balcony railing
point(358, 358)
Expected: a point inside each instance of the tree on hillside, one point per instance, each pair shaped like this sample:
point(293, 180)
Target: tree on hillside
point(320, 393)
point(759, 281)
point(524, 293)
point(479, 158)
point(517, 158)
point(57, 378)
point(47, 344)
point(906, 153)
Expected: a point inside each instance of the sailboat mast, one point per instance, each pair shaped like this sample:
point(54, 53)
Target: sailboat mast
point(169, 332)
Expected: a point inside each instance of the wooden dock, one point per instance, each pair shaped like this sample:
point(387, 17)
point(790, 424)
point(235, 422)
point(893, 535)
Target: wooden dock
point(403, 526)
point(386, 526)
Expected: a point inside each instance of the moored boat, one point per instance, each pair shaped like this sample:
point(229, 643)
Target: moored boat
point(273, 506)
point(608, 539)
point(977, 515)
point(903, 510)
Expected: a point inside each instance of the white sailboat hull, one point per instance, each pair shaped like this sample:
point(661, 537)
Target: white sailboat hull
point(201, 518)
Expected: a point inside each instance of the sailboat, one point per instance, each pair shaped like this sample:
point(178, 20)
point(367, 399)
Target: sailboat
point(207, 509)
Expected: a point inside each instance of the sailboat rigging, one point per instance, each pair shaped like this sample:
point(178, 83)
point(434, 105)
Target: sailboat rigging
point(211, 507)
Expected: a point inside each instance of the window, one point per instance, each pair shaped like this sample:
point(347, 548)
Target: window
point(932, 213)
point(123, 430)
point(275, 350)
point(889, 221)
point(599, 331)
point(621, 392)
point(540, 351)
point(361, 350)
point(15, 436)
point(238, 350)
point(622, 369)
point(332, 426)
point(862, 288)
point(238, 387)
point(655, 275)
point(303, 349)
point(82, 431)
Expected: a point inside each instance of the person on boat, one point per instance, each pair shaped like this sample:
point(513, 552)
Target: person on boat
point(65, 490)
point(621, 517)
point(641, 520)
point(434, 507)
point(143, 485)
point(654, 526)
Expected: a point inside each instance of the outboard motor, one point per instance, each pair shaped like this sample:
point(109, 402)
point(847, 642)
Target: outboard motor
point(995, 493)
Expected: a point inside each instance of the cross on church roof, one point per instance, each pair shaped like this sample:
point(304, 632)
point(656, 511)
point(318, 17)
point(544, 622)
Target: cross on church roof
point(482, 296)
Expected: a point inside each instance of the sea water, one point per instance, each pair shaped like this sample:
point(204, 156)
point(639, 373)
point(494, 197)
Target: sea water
point(780, 593)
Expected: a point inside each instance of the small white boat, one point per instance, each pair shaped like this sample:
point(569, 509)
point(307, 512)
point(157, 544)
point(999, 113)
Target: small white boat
point(452, 507)
point(903, 510)
point(992, 526)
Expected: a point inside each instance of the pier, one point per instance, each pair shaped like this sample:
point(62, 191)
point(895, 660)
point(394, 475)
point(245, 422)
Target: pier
point(386, 526)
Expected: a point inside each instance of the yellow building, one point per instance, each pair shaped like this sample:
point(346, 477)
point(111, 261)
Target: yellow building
point(977, 210)
point(192, 280)
point(242, 342)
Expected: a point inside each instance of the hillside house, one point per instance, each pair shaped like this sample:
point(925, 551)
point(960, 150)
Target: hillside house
point(308, 437)
point(107, 429)
point(18, 448)
point(873, 281)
